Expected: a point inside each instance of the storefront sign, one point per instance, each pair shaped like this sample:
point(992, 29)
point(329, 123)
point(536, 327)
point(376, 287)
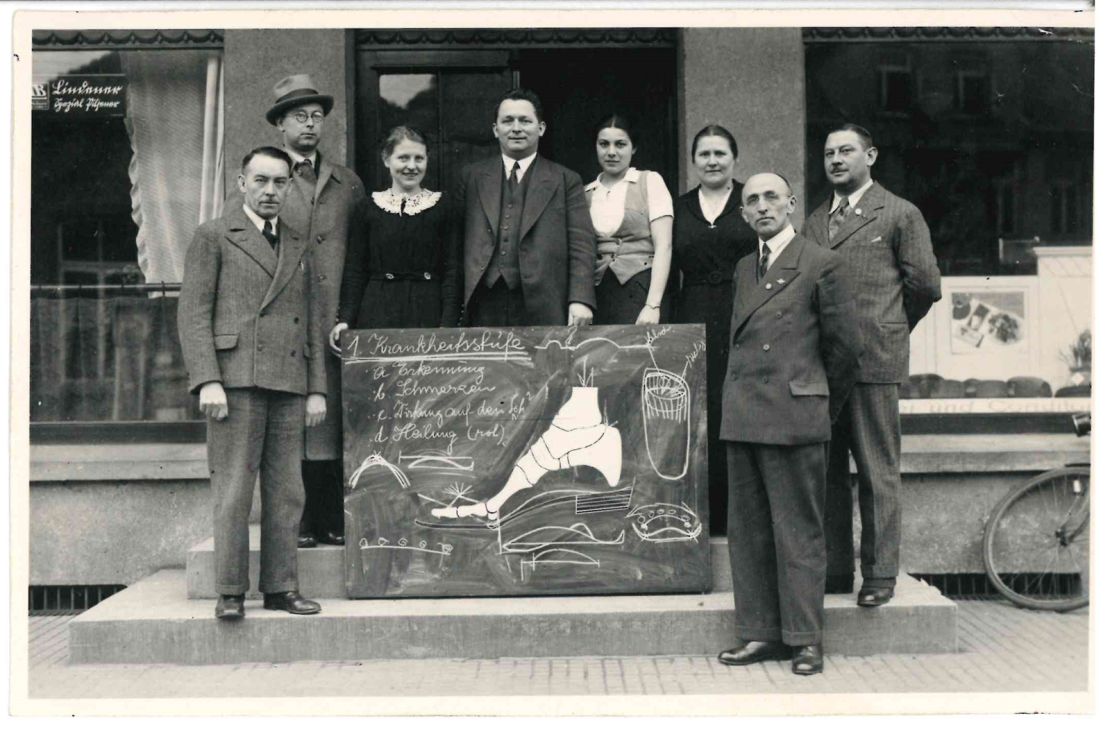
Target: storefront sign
point(532, 461)
point(102, 95)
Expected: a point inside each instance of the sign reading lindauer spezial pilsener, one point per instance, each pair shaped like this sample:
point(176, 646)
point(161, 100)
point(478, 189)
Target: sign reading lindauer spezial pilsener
point(102, 95)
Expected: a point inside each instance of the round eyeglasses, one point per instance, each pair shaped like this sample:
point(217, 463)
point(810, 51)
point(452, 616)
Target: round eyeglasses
point(302, 117)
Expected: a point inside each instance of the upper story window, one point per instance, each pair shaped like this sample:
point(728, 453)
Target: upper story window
point(895, 81)
point(974, 92)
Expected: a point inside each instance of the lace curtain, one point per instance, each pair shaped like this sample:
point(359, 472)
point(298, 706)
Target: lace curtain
point(175, 121)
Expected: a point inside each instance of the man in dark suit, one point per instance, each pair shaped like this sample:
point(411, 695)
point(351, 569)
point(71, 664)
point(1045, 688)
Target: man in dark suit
point(528, 244)
point(794, 357)
point(893, 273)
point(321, 202)
point(247, 335)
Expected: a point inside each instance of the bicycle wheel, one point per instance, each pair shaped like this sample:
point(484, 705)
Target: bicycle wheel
point(1036, 544)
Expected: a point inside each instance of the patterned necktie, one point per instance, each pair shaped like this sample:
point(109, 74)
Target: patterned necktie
point(764, 259)
point(837, 218)
point(513, 182)
point(305, 170)
point(268, 232)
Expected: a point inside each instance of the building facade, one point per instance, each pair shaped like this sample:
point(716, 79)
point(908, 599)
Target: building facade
point(136, 138)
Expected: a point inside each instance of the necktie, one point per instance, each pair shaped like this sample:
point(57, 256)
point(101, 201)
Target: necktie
point(764, 259)
point(268, 232)
point(305, 170)
point(837, 218)
point(513, 182)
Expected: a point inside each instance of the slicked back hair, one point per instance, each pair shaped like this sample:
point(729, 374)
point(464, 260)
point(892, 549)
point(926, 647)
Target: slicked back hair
point(524, 95)
point(861, 132)
point(268, 151)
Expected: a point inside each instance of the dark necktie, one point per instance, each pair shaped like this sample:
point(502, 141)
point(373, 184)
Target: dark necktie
point(837, 218)
point(513, 182)
point(305, 170)
point(764, 259)
point(268, 232)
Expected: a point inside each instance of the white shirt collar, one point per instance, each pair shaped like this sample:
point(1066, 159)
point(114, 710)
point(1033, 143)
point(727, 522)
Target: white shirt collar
point(853, 198)
point(525, 163)
point(257, 220)
point(778, 242)
point(630, 176)
point(297, 157)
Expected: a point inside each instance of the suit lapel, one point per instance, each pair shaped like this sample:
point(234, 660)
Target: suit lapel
point(326, 169)
point(864, 212)
point(242, 233)
point(291, 248)
point(819, 232)
point(541, 188)
point(781, 273)
point(489, 190)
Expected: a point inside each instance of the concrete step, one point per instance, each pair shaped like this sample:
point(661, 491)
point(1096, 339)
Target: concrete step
point(153, 622)
point(320, 570)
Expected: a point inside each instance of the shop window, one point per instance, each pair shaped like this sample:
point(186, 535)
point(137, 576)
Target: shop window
point(1065, 207)
point(996, 150)
point(126, 161)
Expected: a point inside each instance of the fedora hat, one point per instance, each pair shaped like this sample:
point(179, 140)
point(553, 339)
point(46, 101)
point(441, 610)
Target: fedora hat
point(293, 91)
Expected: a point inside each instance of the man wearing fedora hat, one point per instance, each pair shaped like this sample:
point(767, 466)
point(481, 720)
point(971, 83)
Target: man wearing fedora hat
point(322, 202)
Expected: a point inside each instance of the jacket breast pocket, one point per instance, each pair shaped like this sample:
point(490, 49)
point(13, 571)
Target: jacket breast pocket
point(226, 341)
point(809, 388)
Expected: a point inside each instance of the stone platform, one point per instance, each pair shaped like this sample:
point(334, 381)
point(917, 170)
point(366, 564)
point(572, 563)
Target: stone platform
point(168, 618)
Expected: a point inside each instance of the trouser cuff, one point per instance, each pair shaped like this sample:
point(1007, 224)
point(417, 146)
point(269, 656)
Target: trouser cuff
point(801, 638)
point(747, 633)
point(879, 581)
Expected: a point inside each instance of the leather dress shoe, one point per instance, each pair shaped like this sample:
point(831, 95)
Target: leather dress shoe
point(839, 584)
point(874, 596)
point(290, 602)
point(808, 660)
point(306, 541)
point(330, 537)
point(230, 607)
point(754, 652)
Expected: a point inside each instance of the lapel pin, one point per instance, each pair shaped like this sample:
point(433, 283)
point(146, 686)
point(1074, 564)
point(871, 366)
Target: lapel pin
point(859, 212)
point(768, 285)
point(781, 281)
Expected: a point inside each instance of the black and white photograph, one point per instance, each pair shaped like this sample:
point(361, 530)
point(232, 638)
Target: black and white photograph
point(460, 361)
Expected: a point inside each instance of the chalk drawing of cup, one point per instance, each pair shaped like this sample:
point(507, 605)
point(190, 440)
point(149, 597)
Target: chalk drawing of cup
point(665, 399)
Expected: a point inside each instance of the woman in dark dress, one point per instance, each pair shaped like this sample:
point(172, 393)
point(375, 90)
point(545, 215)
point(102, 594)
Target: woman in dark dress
point(402, 266)
point(710, 237)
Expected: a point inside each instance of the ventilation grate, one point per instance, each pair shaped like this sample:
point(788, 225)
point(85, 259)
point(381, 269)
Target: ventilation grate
point(978, 586)
point(67, 599)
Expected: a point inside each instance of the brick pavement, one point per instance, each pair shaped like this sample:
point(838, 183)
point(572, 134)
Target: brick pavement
point(1002, 649)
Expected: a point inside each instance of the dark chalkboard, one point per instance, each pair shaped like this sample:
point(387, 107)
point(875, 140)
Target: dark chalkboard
point(532, 461)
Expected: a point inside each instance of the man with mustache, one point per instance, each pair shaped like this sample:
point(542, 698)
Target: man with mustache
point(322, 202)
point(894, 278)
point(247, 335)
point(528, 244)
point(793, 359)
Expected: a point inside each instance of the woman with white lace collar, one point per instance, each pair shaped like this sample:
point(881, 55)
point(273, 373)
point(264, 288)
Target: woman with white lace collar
point(402, 267)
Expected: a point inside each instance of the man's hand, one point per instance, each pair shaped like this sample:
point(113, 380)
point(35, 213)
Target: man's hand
point(213, 400)
point(579, 314)
point(315, 409)
point(333, 337)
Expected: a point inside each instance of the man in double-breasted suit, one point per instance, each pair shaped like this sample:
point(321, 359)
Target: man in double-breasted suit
point(248, 338)
point(794, 357)
point(321, 202)
point(893, 273)
point(528, 244)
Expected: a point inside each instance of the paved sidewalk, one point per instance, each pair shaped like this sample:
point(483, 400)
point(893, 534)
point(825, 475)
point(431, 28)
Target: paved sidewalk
point(1002, 649)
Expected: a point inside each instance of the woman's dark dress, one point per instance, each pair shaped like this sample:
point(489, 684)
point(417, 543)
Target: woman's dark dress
point(707, 256)
point(402, 270)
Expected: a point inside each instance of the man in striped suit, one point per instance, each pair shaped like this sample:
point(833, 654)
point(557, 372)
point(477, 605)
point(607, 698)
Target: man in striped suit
point(893, 274)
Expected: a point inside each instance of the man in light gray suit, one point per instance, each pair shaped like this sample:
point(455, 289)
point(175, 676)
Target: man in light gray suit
point(893, 273)
point(247, 337)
